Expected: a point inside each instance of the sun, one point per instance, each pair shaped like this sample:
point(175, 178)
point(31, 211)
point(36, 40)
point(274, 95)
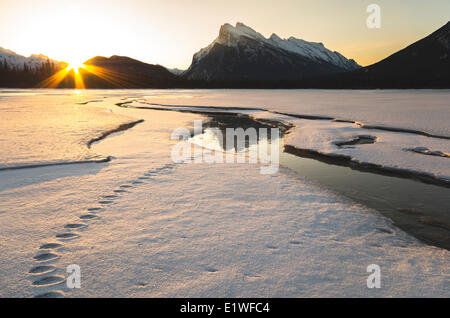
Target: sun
point(75, 66)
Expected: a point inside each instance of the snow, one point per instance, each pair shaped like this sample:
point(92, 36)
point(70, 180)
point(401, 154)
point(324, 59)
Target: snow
point(31, 123)
point(17, 61)
point(230, 36)
point(176, 71)
point(314, 51)
point(422, 110)
point(389, 150)
point(229, 237)
point(198, 230)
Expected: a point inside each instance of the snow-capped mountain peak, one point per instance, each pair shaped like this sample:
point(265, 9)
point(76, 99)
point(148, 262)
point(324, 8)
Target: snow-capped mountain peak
point(231, 36)
point(17, 61)
point(275, 38)
point(6, 51)
point(314, 50)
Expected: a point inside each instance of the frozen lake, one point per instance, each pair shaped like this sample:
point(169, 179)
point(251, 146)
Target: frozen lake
point(144, 226)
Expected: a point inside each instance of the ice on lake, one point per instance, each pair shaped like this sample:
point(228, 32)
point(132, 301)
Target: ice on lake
point(143, 226)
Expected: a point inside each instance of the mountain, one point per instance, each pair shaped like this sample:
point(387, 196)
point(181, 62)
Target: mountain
point(16, 61)
point(176, 71)
point(124, 72)
point(243, 58)
point(423, 64)
point(241, 54)
point(315, 51)
point(17, 71)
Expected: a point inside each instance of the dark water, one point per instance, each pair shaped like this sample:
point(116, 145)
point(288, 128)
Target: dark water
point(420, 209)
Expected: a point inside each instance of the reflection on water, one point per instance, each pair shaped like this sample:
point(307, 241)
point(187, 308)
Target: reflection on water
point(420, 209)
point(214, 134)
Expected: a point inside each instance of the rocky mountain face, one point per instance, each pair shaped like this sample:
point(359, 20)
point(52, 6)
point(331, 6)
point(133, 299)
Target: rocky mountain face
point(239, 54)
point(243, 58)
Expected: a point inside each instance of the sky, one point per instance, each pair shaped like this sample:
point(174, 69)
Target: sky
point(169, 32)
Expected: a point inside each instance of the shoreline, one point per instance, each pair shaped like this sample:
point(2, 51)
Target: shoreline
point(149, 210)
point(103, 135)
point(347, 161)
point(385, 191)
point(341, 160)
point(103, 160)
point(301, 116)
point(120, 128)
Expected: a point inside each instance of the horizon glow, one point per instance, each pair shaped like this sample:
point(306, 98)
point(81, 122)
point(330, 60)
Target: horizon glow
point(170, 32)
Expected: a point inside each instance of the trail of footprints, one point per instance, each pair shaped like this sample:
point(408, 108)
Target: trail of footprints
point(44, 274)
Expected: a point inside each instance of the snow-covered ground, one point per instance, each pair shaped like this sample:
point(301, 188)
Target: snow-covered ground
point(422, 110)
point(391, 148)
point(166, 229)
point(48, 129)
point(387, 149)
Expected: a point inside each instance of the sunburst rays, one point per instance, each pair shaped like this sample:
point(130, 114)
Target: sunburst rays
point(75, 72)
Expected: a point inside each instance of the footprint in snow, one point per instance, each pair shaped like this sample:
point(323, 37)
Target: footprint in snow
point(75, 226)
point(88, 217)
point(67, 236)
point(52, 294)
point(113, 196)
point(45, 257)
point(104, 202)
point(210, 269)
point(252, 277)
point(42, 270)
point(94, 209)
point(49, 281)
point(50, 246)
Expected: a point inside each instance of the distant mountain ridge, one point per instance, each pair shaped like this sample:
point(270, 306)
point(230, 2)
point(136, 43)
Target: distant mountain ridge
point(124, 72)
point(17, 61)
point(17, 71)
point(423, 64)
point(243, 58)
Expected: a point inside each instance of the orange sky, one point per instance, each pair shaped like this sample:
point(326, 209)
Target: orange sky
point(170, 32)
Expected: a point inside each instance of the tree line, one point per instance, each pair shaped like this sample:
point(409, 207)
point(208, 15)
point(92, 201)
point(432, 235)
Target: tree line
point(14, 76)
